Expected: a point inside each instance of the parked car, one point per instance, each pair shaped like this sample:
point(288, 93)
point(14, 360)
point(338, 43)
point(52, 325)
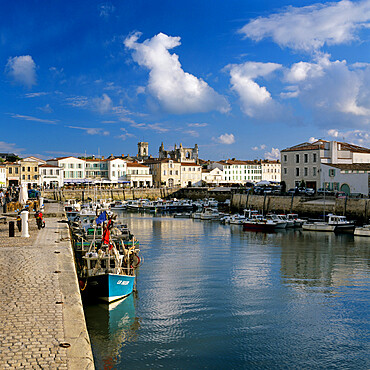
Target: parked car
point(327, 192)
point(340, 194)
point(309, 191)
point(292, 191)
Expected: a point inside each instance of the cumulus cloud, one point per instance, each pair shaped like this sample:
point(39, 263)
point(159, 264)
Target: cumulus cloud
point(22, 69)
point(312, 139)
point(274, 154)
point(176, 90)
point(103, 104)
point(311, 27)
point(333, 90)
point(225, 139)
point(255, 100)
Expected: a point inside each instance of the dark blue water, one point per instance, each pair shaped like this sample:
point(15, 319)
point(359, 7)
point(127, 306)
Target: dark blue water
point(211, 296)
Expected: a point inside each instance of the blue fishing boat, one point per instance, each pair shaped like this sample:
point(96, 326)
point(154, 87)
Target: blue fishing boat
point(107, 274)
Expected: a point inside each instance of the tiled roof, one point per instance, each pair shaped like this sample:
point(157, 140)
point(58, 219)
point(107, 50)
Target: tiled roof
point(305, 146)
point(136, 164)
point(189, 164)
point(48, 165)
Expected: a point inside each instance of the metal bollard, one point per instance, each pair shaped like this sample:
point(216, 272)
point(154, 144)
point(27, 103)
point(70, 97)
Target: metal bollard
point(11, 229)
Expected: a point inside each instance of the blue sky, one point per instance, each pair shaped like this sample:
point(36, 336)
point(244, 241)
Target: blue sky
point(242, 79)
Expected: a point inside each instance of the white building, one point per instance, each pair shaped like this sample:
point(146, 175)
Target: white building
point(304, 162)
point(51, 177)
point(238, 172)
point(116, 170)
point(271, 170)
point(212, 177)
point(73, 169)
point(191, 174)
point(349, 178)
point(139, 175)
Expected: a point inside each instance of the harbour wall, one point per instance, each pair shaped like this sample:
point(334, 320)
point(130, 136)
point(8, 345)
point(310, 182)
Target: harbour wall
point(353, 209)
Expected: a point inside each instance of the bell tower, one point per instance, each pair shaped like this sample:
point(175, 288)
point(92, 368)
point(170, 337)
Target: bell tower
point(143, 150)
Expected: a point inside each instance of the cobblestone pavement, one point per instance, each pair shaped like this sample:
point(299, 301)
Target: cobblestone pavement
point(34, 302)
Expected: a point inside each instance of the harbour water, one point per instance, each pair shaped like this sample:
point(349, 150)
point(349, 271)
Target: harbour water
point(212, 296)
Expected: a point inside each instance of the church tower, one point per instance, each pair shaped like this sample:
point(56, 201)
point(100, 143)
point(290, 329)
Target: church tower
point(143, 150)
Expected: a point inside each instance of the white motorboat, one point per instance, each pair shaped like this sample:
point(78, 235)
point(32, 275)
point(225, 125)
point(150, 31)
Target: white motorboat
point(338, 224)
point(210, 214)
point(236, 219)
point(362, 231)
point(289, 223)
point(280, 224)
point(298, 222)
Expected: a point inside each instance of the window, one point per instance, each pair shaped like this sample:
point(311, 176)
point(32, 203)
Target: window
point(297, 171)
point(24, 169)
point(164, 172)
point(23, 177)
point(285, 171)
point(28, 169)
point(285, 158)
point(314, 157)
point(70, 165)
point(297, 158)
point(306, 171)
point(79, 165)
point(306, 158)
point(170, 172)
point(28, 177)
point(10, 170)
point(16, 170)
point(177, 172)
point(332, 172)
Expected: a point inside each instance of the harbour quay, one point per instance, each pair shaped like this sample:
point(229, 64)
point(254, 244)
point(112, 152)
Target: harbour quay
point(42, 318)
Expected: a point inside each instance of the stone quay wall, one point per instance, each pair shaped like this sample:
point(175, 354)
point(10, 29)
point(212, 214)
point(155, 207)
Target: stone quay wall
point(113, 194)
point(353, 209)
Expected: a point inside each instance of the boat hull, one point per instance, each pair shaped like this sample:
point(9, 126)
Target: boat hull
point(258, 226)
point(318, 227)
point(110, 287)
point(362, 231)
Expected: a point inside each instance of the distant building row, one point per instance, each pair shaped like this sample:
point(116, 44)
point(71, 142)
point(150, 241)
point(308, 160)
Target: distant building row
point(179, 167)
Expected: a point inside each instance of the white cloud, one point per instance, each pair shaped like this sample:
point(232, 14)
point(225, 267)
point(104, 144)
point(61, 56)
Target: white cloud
point(198, 124)
point(261, 147)
point(125, 134)
point(309, 28)
point(150, 126)
point(191, 133)
point(77, 101)
point(273, 155)
point(10, 148)
point(91, 130)
point(36, 94)
point(333, 91)
point(225, 139)
point(103, 104)
point(22, 69)
point(357, 137)
point(35, 119)
point(312, 139)
point(176, 90)
point(255, 100)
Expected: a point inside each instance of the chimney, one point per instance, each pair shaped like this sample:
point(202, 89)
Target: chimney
point(102, 157)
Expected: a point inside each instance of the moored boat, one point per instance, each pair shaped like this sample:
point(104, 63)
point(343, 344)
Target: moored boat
point(362, 231)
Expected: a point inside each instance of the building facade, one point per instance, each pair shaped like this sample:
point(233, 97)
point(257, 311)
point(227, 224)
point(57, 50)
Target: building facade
point(239, 172)
point(13, 173)
point(212, 177)
point(271, 170)
point(303, 163)
point(191, 174)
point(30, 171)
point(166, 172)
point(138, 175)
point(51, 177)
point(73, 169)
point(2, 176)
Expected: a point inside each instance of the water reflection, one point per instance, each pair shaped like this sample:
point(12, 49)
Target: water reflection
point(214, 296)
point(111, 327)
